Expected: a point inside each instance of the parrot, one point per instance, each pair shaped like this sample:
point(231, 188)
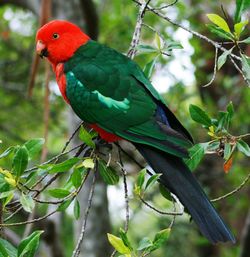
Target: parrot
point(110, 93)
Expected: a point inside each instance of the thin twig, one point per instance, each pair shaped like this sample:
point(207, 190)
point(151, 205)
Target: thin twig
point(234, 191)
point(137, 32)
point(28, 221)
point(166, 6)
point(76, 251)
point(124, 174)
point(159, 211)
point(210, 41)
point(215, 68)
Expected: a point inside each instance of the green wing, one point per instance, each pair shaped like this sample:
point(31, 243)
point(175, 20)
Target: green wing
point(106, 88)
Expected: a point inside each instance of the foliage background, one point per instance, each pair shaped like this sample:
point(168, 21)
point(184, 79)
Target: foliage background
point(22, 119)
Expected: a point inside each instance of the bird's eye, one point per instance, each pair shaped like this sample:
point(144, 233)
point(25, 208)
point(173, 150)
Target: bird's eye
point(55, 36)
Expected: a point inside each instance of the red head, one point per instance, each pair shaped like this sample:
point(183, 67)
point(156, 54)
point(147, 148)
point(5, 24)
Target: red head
point(58, 40)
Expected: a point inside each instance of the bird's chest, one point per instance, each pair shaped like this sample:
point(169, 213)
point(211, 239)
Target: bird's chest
point(61, 80)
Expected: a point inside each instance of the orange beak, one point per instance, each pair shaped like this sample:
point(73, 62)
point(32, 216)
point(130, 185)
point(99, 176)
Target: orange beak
point(41, 49)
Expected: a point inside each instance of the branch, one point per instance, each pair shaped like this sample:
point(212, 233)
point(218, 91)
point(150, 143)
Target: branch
point(234, 191)
point(76, 251)
point(162, 212)
point(137, 32)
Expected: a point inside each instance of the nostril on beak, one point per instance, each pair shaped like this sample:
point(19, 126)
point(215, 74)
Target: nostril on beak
point(41, 49)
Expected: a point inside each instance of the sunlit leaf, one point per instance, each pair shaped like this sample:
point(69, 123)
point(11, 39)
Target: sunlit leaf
point(118, 244)
point(239, 27)
point(219, 21)
point(158, 41)
point(141, 178)
point(88, 163)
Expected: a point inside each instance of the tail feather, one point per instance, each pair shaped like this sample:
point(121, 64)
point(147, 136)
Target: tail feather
point(179, 180)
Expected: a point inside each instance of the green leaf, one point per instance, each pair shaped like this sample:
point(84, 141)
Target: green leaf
point(76, 209)
point(60, 167)
point(58, 192)
point(246, 66)
point(124, 238)
point(86, 137)
point(144, 244)
point(3, 251)
point(7, 194)
point(160, 238)
point(8, 198)
point(146, 49)
point(149, 67)
point(230, 110)
point(158, 41)
point(27, 202)
point(196, 154)
point(173, 45)
point(63, 206)
point(227, 151)
point(219, 21)
point(109, 175)
point(34, 146)
point(7, 152)
point(220, 32)
point(141, 178)
point(246, 40)
point(165, 192)
point(28, 246)
point(118, 244)
point(243, 147)
point(200, 116)
point(76, 177)
point(151, 181)
point(20, 161)
point(241, 6)
point(239, 27)
point(7, 249)
point(88, 163)
point(222, 58)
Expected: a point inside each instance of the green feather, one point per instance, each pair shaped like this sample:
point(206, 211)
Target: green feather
point(106, 88)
